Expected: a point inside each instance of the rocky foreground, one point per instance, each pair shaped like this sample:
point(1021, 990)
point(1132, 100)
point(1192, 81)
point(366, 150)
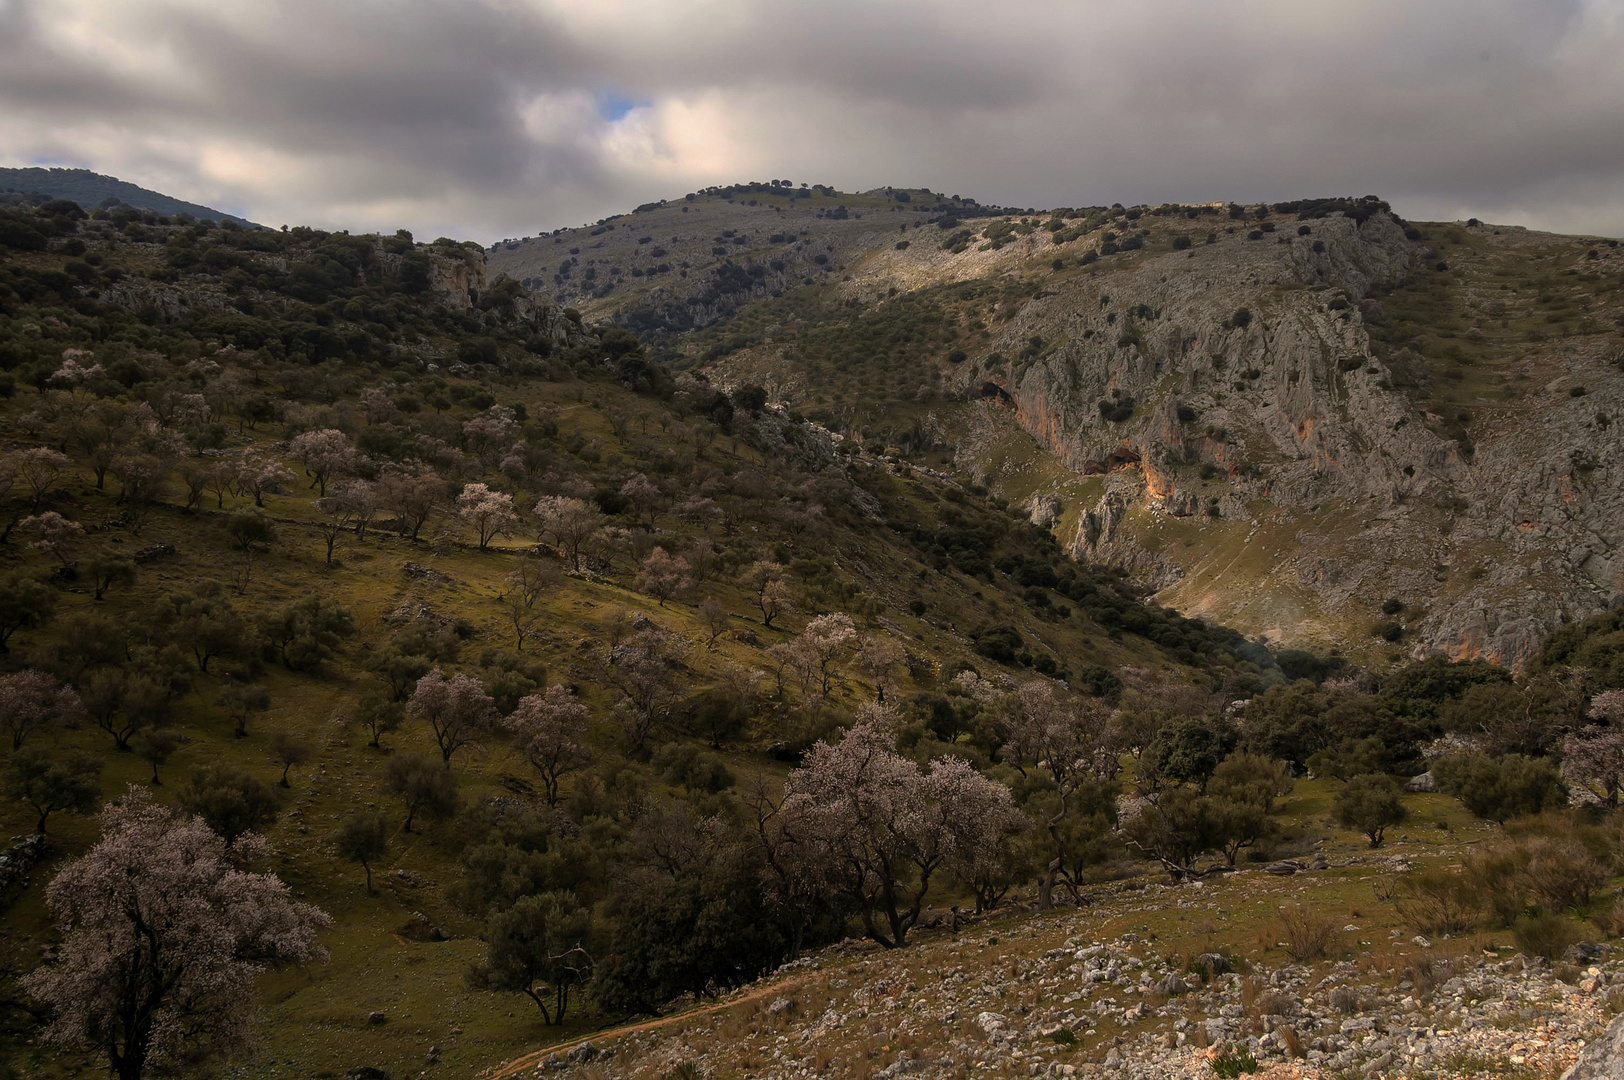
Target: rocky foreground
point(1046, 997)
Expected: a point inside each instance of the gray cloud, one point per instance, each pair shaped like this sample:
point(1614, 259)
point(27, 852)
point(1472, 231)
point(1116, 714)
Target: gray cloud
point(489, 118)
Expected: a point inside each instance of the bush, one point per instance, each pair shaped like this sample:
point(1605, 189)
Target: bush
point(1241, 319)
point(1309, 933)
point(1544, 935)
point(1370, 804)
point(229, 800)
point(1498, 789)
point(1610, 921)
point(1436, 901)
point(1233, 1062)
point(1548, 873)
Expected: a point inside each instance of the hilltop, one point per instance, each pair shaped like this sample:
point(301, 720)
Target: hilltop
point(91, 189)
point(1291, 418)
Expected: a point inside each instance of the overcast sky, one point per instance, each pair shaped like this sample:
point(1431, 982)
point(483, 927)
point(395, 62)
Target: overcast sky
point(490, 118)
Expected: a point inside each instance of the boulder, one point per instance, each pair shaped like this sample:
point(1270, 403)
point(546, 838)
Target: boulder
point(1283, 868)
point(1603, 1059)
point(1172, 986)
point(1582, 953)
point(1424, 782)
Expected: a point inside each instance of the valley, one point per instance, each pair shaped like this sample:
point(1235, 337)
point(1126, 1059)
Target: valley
point(789, 632)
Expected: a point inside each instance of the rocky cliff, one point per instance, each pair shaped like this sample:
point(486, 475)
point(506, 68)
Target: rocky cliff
point(1236, 382)
point(1313, 421)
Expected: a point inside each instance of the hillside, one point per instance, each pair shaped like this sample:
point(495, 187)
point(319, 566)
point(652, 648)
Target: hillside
point(90, 189)
point(1280, 417)
point(583, 680)
point(208, 580)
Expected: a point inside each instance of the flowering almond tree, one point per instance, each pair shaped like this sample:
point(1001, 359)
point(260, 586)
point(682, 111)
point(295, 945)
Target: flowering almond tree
point(550, 730)
point(571, 523)
point(163, 939)
point(33, 701)
point(1594, 756)
point(324, 454)
point(868, 821)
point(489, 512)
point(458, 709)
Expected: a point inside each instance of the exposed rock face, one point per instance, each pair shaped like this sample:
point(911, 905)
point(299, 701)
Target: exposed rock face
point(1232, 438)
point(1602, 1059)
point(1235, 383)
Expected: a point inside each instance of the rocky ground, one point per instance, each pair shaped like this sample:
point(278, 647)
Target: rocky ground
point(1061, 995)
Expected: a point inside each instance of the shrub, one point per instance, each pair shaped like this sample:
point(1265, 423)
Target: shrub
point(1502, 788)
point(1309, 933)
point(1232, 1062)
point(1610, 920)
point(1550, 873)
point(1241, 319)
point(1181, 243)
point(229, 800)
point(1370, 804)
point(1544, 935)
point(1436, 901)
point(1389, 630)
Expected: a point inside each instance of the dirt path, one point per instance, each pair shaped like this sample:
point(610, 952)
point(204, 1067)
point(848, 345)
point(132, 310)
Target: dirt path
point(532, 1059)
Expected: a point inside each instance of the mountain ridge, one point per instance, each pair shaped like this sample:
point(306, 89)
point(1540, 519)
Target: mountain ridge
point(1412, 380)
point(92, 189)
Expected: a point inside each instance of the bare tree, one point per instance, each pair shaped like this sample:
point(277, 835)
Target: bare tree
point(877, 657)
point(458, 710)
point(702, 558)
point(334, 516)
point(549, 729)
point(361, 499)
point(164, 938)
point(713, 616)
point(643, 670)
point(530, 580)
point(41, 470)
